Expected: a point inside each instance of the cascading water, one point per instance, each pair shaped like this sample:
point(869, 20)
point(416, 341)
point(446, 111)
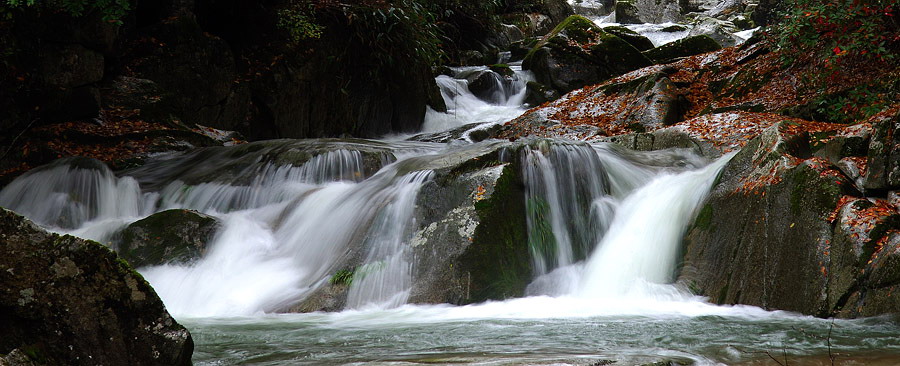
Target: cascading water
point(642, 245)
point(497, 98)
point(565, 186)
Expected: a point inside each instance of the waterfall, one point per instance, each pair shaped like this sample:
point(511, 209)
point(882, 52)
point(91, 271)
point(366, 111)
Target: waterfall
point(267, 259)
point(565, 184)
point(385, 278)
point(497, 98)
point(640, 249)
point(74, 192)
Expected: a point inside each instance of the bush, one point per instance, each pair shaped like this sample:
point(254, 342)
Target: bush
point(111, 10)
point(834, 29)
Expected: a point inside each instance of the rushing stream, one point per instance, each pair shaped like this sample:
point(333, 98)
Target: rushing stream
point(610, 224)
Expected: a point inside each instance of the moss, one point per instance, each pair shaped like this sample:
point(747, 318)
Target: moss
point(498, 259)
point(502, 69)
point(682, 48)
point(617, 54)
point(633, 38)
point(704, 218)
point(576, 28)
point(342, 277)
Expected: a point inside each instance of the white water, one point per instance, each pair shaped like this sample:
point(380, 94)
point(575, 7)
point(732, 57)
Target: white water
point(504, 100)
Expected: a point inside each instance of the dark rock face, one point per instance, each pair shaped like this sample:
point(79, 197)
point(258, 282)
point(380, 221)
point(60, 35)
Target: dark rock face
point(784, 230)
point(684, 47)
point(883, 160)
point(68, 301)
point(578, 53)
point(172, 236)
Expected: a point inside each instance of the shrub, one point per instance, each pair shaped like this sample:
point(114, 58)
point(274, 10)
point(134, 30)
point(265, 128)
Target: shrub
point(112, 10)
point(834, 29)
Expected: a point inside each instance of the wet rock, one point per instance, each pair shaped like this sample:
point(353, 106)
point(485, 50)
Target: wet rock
point(578, 53)
point(719, 30)
point(471, 244)
point(883, 159)
point(537, 94)
point(791, 224)
point(69, 301)
point(171, 236)
point(648, 11)
point(633, 38)
point(682, 48)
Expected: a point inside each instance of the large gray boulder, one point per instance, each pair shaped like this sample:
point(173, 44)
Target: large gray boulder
point(69, 301)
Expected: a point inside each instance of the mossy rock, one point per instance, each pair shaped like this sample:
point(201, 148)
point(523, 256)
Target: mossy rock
point(674, 28)
point(682, 48)
point(627, 12)
point(579, 53)
point(502, 69)
point(575, 27)
point(617, 56)
point(633, 38)
point(499, 260)
point(172, 236)
point(70, 301)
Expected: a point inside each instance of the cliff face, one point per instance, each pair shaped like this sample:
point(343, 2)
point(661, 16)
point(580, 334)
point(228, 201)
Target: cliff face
point(69, 301)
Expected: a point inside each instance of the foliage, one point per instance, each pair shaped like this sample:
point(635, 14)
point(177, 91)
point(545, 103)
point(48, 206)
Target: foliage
point(399, 33)
point(112, 10)
point(342, 277)
point(834, 29)
point(299, 23)
point(856, 103)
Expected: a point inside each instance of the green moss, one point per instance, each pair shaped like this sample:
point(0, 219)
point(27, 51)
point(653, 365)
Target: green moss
point(682, 48)
point(704, 218)
point(502, 69)
point(499, 259)
point(342, 277)
point(541, 240)
point(638, 41)
point(576, 28)
point(34, 353)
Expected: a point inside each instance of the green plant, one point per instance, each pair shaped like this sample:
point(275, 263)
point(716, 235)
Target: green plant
point(299, 23)
point(400, 33)
point(342, 277)
point(112, 11)
point(835, 29)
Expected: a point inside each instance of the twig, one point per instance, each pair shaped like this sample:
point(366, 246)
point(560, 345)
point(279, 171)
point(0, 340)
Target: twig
point(13, 142)
point(828, 339)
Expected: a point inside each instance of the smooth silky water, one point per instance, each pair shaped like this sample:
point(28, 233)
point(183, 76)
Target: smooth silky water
point(603, 283)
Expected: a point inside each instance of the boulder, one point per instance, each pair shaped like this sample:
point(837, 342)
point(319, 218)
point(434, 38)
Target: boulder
point(682, 48)
point(69, 301)
point(171, 236)
point(785, 230)
point(719, 30)
point(70, 65)
point(883, 159)
point(578, 53)
point(633, 38)
point(648, 11)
